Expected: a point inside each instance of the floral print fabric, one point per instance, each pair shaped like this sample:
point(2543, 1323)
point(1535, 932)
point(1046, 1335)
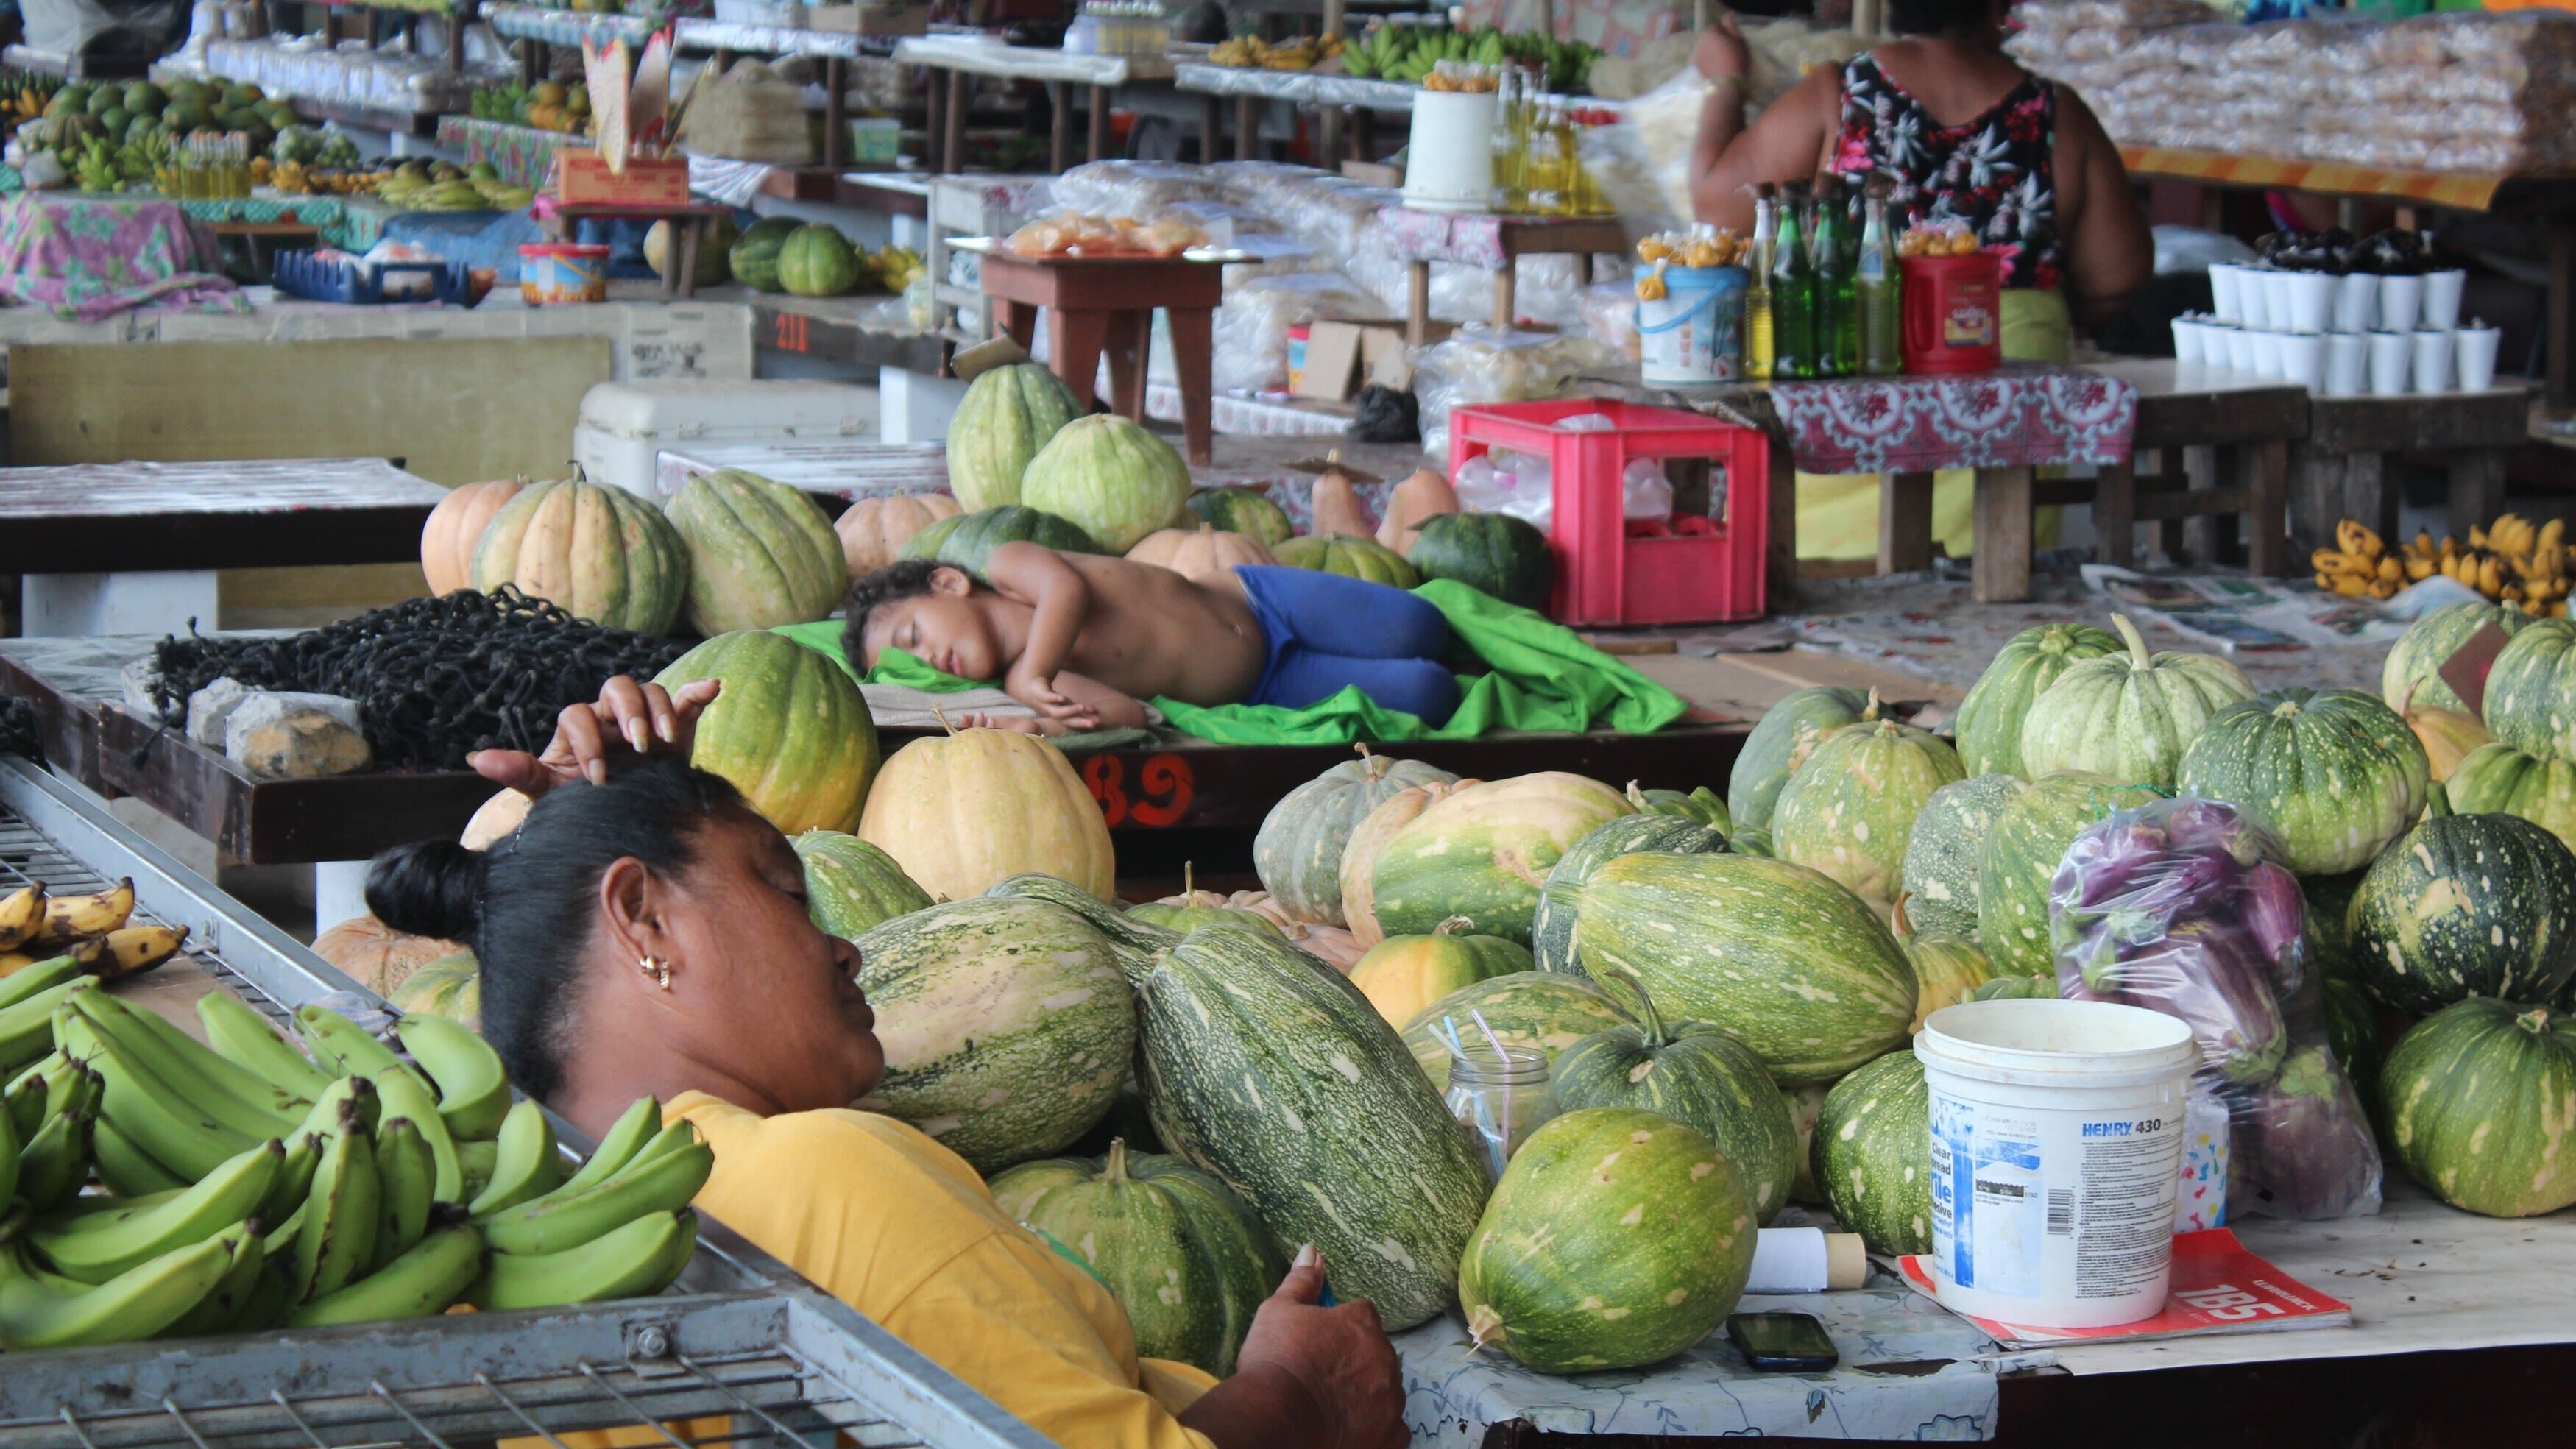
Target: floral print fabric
point(1993, 172)
point(91, 257)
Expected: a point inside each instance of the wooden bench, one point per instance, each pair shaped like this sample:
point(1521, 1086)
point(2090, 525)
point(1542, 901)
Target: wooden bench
point(2340, 470)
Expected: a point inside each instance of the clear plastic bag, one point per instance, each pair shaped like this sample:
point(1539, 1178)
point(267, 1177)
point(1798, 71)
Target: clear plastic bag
point(2183, 907)
point(1252, 324)
point(1480, 364)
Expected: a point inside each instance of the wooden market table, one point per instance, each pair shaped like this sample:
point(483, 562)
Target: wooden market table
point(1328, 95)
point(1098, 305)
point(2216, 445)
point(1494, 243)
point(962, 56)
point(135, 547)
point(2340, 469)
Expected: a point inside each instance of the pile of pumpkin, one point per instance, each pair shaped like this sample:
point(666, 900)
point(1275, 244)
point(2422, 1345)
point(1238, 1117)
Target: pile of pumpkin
point(1024, 465)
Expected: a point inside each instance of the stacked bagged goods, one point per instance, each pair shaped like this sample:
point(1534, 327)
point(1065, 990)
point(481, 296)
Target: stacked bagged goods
point(2183, 907)
point(273, 1190)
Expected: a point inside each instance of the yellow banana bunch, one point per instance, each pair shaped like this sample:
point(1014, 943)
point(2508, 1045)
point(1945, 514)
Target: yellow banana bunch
point(2359, 565)
point(2512, 561)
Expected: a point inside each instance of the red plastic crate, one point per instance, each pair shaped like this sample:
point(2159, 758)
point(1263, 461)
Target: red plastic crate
point(1602, 575)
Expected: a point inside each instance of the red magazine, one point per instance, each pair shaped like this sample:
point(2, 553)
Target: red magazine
point(2218, 1287)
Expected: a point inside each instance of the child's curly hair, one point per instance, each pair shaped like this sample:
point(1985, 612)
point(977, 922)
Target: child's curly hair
point(903, 579)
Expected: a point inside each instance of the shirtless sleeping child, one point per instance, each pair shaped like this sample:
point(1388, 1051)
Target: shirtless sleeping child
point(1084, 640)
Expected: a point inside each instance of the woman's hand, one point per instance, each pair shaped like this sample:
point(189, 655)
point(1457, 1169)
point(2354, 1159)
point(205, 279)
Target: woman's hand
point(644, 719)
point(1338, 1359)
point(1722, 53)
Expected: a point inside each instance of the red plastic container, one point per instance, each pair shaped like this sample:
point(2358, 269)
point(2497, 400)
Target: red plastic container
point(1604, 576)
point(1953, 309)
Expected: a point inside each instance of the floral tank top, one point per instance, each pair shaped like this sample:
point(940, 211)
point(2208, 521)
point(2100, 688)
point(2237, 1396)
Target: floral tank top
point(1993, 172)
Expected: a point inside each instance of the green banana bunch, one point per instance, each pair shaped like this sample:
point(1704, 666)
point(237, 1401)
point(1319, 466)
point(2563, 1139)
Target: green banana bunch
point(662, 1176)
point(39, 1309)
point(94, 1248)
point(243, 1037)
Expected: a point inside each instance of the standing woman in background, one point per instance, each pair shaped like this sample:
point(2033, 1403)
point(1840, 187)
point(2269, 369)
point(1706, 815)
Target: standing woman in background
point(1957, 132)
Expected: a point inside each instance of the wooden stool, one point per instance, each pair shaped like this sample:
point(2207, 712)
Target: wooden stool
point(692, 226)
point(2339, 470)
point(1099, 305)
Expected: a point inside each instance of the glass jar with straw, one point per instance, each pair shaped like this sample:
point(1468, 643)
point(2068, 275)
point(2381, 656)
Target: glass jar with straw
point(1498, 1094)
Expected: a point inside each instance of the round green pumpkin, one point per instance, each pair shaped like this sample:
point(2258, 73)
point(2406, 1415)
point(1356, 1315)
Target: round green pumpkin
point(602, 554)
point(2128, 715)
point(790, 730)
point(1694, 1074)
point(1298, 850)
point(1779, 743)
point(1110, 478)
point(1534, 1009)
point(2329, 935)
point(761, 554)
point(851, 886)
point(2467, 905)
point(1988, 725)
point(2021, 856)
point(1494, 552)
point(1941, 856)
point(1946, 971)
point(1484, 851)
point(2531, 692)
point(1352, 558)
point(2352, 1029)
point(1850, 810)
point(1183, 919)
point(1008, 413)
point(1701, 806)
point(754, 258)
point(816, 261)
point(2014, 988)
point(2412, 674)
point(2476, 1096)
point(1182, 1254)
point(2501, 780)
point(1873, 1150)
point(2335, 773)
point(967, 541)
point(1616, 1238)
point(1560, 898)
point(1242, 510)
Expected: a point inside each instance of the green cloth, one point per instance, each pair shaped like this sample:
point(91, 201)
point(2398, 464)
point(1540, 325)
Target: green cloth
point(1536, 676)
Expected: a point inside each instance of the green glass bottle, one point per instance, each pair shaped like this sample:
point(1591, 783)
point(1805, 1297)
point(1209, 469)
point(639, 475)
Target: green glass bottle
point(1837, 315)
point(1793, 296)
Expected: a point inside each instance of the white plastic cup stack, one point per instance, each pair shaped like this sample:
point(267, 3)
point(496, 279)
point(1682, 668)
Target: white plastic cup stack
point(2225, 281)
point(2432, 361)
point(2267, 353)
point(2476, 355)
point(2312, 299)
point(2347, 364)
point(2442, 292)
point(2356, 301)
point(2401, 303)
point(2190, 341)
point(2303, 359)
point(2389, 354)
point(2240, 350)
point(2279, 299)
point(2254, 297)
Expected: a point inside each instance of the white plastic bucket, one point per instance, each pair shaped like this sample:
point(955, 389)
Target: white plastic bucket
point(1449, 162)
point(2057, 1133)
point(1695, 331)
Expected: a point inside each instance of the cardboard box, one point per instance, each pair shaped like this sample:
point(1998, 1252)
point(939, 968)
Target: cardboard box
point(1343, 357)
point(1375, 173)
point(911, 19)
point(582, 178)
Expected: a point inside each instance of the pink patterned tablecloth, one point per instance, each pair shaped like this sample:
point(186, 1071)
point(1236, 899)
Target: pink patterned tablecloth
point(1474, 239)
point(2025, 415)
point(89, 257)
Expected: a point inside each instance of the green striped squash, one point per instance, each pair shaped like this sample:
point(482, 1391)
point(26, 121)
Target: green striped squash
point(1355, 558)
point(1616, 1238)
point(761, 554)
point(2352, 1029)
point(1560, 899)
point(1533, 1009)
point(2531, 692)
point(2335, 773)
point(790, 730)
point(967, 541)
point(1274, 1076)
point(1701, 806)
point(1779, 743)
point(851, 886)
point(1874, 1154)
point(1005, 1022)
point(2476, 1096)
point(1504, 557)
point(1246, 511)
point(1988, 725)
point(1941, 856)
point(1182, 919)
point(1694, 1074)
point(1008, 413)
point(1849, 810)
point(2411, 677)
point(2501, 780)
point(1298, 850)
point(2466, 905)
point(1132, 939)
point(2329, 915)
point(1946, 969)
point(601, 554)
point(1806, 1104)
point(2021, 855)
point(2128, 715)
point(1774, 954)
point(1185, 1257)
point(1111, 478)
point(1483, 853)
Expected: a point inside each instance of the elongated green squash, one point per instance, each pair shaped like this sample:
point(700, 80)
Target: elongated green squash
point(1132, 940)
point(1560, 900)
point(1483, 852)
point(1780, 742)
point(1270, 1073)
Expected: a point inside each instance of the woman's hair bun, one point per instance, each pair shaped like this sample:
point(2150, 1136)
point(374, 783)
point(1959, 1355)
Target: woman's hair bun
point(434, 888)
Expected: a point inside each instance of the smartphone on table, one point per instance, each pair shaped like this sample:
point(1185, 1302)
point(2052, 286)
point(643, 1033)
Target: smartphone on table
point(1782, 1342)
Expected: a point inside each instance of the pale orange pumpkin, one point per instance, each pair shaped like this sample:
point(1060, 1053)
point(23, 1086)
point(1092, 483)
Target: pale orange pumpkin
point(1424, 495)
point(1336, 502)
point(447, 540)
point(376, 955)
point(1199, 553)
point(874, 530)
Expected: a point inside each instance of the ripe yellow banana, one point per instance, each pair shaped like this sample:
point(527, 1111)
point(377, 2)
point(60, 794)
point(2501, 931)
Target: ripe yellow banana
point(2552, 533)
point(133, 950)
point(22, 914)
point(70, 918)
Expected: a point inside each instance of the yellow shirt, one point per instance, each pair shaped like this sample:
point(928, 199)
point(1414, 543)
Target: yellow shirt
point(901, 1229)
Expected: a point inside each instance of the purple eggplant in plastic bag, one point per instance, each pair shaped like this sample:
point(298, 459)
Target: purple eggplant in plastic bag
point(2300, 1145)
point(2217, 981)
point(2277, 915)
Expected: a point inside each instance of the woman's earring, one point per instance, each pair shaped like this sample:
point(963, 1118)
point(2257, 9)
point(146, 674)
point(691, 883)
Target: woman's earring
point(657, 970)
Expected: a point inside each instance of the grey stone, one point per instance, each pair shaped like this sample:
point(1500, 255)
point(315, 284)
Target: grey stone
point(278, 737)
point(210, 707)
point(135, 682)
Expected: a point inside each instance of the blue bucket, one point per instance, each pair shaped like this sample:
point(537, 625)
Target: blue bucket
point(1695, 331)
